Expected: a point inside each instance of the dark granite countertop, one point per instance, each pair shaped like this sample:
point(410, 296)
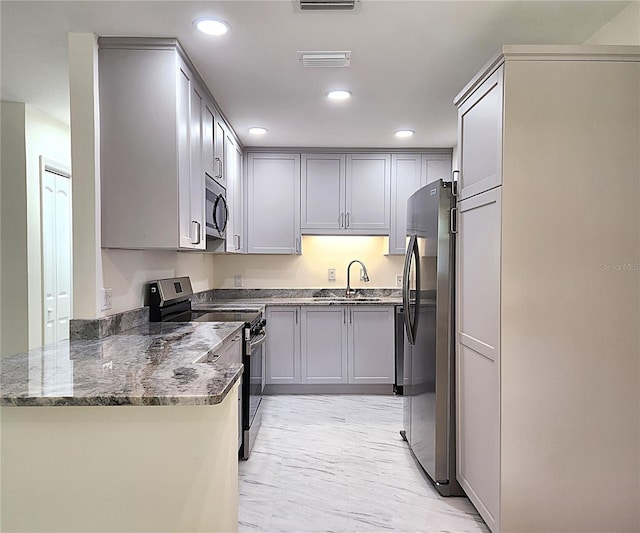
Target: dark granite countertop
point(236, 298)
point(152, 364)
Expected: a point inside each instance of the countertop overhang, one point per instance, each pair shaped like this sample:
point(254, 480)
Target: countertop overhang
point(153, 364)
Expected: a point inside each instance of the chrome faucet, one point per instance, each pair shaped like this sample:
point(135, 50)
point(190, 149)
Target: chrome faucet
point(365, 277)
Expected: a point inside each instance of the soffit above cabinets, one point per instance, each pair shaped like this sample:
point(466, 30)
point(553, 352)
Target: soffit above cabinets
point(409, 59)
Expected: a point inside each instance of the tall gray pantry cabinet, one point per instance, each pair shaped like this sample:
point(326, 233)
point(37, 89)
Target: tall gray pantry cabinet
point(548, 291)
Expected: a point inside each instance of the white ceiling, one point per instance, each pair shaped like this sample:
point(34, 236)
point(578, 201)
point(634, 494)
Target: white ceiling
point(409, 59)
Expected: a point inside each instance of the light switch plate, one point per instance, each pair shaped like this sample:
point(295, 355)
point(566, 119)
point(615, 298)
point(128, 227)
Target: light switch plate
point(331, 274)
point(107, 299)
point(398, 280)
point(237, 280)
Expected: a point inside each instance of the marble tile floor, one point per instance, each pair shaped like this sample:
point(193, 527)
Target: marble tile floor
point(338, 464)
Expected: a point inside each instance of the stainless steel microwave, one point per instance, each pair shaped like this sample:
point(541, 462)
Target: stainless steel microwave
point(217, 212)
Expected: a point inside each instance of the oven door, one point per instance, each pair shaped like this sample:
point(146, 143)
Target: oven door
point(217, 212)
point(254, 387)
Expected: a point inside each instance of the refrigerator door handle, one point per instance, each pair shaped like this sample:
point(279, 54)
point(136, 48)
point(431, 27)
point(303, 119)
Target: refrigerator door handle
point(406, 291)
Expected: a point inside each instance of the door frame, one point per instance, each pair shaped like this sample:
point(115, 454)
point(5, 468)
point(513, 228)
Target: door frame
point(60, 169)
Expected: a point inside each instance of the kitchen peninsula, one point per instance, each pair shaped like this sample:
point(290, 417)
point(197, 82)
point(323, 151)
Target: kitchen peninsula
point(130, 432)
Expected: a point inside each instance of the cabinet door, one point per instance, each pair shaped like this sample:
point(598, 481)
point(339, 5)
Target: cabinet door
point(478, 351)
point(368, 193)
point(184, 163)
point(480, 138)
point(140, 147)
point(324, 344)
point(322, 192)
point(196, 180)
point(273, 203)
point(405, 180)
point(219, 152)
point(283, 346)
point(208, 146)
point(434, 168)
point(235, 197)
point(371, 344)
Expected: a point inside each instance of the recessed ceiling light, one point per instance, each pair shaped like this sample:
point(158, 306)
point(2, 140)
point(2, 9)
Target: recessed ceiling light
point(212, 26)
point(339, 95)
point(404, 133)
point(258, 131)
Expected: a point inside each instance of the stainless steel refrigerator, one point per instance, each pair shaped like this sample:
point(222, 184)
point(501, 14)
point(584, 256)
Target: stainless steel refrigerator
point(428, 305)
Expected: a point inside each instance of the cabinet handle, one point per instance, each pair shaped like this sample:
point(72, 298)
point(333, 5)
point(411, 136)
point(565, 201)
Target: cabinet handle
point(296, 315)
point(298, 245)
point(219, 174)
point(344, 316)
point(347, 220)
point(454, 182)
point(198, 232)
point(220, 227)
point(237, 238)
point(350, 316)
point(341, 220)
point(454, 220)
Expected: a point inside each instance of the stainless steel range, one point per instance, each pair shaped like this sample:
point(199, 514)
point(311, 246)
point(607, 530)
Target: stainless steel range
point(170, 301)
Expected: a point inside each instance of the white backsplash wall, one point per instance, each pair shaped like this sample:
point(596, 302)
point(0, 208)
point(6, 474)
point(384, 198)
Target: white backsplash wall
point(309, 270)
point(127, 272)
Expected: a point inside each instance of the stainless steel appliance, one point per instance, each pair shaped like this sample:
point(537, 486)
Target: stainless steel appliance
point(216, 210)
point(398, 384)
point(169, 301)
point(428, 297)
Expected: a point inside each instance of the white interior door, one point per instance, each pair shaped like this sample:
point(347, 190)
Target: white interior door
point(56, 254)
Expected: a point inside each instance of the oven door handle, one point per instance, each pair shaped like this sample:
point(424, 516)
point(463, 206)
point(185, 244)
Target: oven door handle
point(260, 340)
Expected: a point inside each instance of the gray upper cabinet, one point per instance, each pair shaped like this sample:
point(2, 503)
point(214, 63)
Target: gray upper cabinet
point(160, 135)
point(322, 193)
point(405, 180)
point(219, 152)
point(346, 194)
point(232, 159)
point(208, 144)
point(409, 172)
point(480, 133)
point(150, 134)
point(273, 203)
point(368, 187)
point(435, 167)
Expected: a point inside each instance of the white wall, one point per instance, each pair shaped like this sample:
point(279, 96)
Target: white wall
point(128, 271)
point(309, 270)
point(623, 29)
point(27, 134)
point(45, 136)
point(13, 231)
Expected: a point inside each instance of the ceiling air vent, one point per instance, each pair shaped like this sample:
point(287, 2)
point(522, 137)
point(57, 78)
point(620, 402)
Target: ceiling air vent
point(311, 5)
point(325, 59)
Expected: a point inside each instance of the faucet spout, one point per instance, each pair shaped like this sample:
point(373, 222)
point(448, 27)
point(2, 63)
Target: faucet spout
point(365, 277)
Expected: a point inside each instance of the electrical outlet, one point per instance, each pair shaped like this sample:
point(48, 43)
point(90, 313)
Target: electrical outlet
point(332, 274)
point(107, 299)
point(398, 280)
point(237, 280)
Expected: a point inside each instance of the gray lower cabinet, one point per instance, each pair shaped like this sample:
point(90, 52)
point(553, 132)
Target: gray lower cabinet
point(330, 345)
point(371, 344)
point(283, 346)
point(324, 344)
